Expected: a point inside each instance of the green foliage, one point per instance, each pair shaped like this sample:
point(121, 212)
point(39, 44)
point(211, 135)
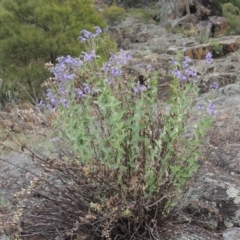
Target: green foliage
point(216, 48)
point(114, 14)
point(35, 32)
point(8, 93)
point(217, 6)
point(143, 14)
point(231, 13)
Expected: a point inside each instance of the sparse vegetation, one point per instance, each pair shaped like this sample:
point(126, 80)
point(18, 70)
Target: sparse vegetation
point(203, 36)
point(217, 48)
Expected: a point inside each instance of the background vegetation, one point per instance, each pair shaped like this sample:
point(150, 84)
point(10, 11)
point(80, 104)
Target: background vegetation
point(217, 6)
point(35, 32)
point(232, 14)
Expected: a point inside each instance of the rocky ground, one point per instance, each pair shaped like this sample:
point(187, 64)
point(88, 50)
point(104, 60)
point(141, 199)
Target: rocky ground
point(210, 207)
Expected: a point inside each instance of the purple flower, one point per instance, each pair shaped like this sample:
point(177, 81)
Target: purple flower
point(98, 31)
point(115, 72)
point(86, 88)
point(68, 76)
point(62, 89)
point(174, 62)
point(210, 109)
point(89, 56)
point(106, 67)
point(53, 101)
point(86, 34)
point(139, 88)
point(120, 59)
point(82, 39)
point(209, 58)
point(51, 98)
point(123, 57)
point(182, 77)
point(150, 68)
point(200, 107)
point(176, 73)
point(190, 73)
point(214, 85)
point(79, 93)
point(186, 62)
point(109, 81)
point(64, 103)
point(69, 61)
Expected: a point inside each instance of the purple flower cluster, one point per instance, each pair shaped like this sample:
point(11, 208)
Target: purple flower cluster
point(87, 57)
point(209, 58)
point(183, 71)
point(214, 85)
point(63, 70)
point(150, 68)
point(210, 108)
point(87, 35)
point(115, 63)
point(139, 88)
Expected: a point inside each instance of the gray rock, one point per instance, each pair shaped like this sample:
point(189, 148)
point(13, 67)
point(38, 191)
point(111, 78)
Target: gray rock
point(231, 234)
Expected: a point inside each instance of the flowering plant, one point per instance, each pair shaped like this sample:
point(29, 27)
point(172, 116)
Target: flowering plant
point(131, 146)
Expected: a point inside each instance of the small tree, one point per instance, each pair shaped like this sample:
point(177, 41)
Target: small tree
point(231, 13)
point(35, 32)
point(216, 6)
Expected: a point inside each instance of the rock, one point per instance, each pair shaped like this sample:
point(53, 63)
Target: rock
point(213, 199)
point(231, 234)
point(219, 23)
point(142, 37)
point(205, 27)
point(184, 22)
point(198, 51)
point(4, 237)
point(222, 79)
point(229, 44)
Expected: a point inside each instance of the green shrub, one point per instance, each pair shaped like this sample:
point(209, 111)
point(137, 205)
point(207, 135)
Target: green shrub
point(8, 93)
point(119, 131)
point(216, 48)
point(143, 14)
point(114, 14)
point(35, 32)
point(125, 157)
point(217, 6)
point(231, 13)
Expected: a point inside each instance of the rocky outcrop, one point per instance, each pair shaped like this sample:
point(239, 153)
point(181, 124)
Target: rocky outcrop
point(212, 201)
point(228, 44)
